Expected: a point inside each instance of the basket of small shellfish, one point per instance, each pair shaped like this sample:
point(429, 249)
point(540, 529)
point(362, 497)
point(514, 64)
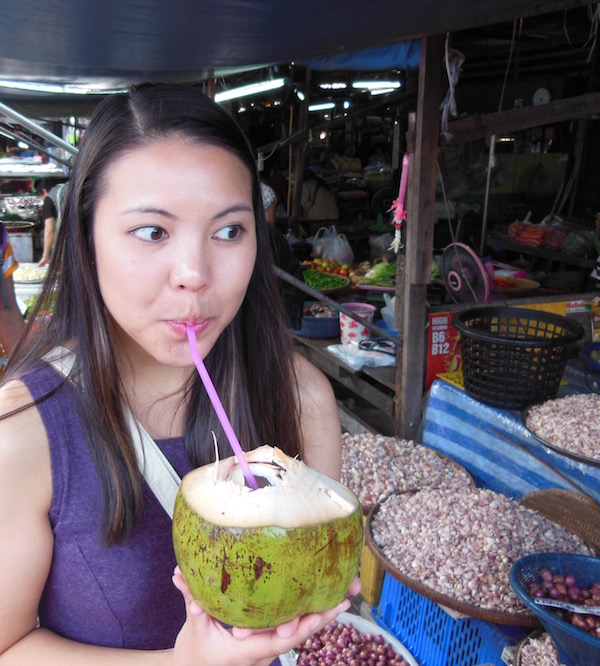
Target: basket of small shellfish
point(375, 466)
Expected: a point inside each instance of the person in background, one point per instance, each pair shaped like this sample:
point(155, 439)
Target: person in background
point(269, 199)
point(318, 201)
point(11, 319)
point(285, 259)
point(163, 229)
point(52, 194)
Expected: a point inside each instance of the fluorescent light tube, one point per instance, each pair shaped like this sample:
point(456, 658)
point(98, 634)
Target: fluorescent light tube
point(374, 85)
point(324, 106)
point(251, 89)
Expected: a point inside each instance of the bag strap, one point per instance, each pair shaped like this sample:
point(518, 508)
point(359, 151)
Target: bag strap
point(156, 469)
point(3, 286)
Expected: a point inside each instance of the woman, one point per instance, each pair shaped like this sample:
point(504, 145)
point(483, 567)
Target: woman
point(162, 227)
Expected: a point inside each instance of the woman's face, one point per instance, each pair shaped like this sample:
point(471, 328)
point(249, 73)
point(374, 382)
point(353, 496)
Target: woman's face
point(175, 244)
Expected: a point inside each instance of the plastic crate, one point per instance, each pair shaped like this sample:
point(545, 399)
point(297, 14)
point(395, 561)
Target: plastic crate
point(514, 357)
point(436, 638)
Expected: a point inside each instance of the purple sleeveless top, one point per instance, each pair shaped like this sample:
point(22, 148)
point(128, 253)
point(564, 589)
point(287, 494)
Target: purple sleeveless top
point(119, 596)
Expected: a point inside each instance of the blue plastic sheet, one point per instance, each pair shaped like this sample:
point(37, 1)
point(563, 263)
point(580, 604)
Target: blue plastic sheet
point(495, 446)
point(404, 55)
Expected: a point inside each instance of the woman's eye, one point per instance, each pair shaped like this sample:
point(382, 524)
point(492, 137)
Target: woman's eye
point(150, 234)
point(230, 232)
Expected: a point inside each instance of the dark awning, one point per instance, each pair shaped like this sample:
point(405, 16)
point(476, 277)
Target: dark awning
point(118, 42)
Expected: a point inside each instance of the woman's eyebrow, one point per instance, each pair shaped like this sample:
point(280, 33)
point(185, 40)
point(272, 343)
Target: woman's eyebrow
point(153, 210)
point(150, 210)
point(235, 208)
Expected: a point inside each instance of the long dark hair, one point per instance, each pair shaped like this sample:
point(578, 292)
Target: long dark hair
point(250, 364)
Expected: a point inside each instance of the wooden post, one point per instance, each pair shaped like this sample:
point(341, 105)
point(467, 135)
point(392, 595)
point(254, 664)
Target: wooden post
point(419, 236)
point(296, 212)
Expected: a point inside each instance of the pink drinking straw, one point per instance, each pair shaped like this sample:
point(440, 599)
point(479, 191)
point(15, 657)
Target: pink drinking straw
point(218, 405)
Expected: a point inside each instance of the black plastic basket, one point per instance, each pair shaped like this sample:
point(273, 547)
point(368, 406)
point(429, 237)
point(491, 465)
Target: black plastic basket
point(514, 357)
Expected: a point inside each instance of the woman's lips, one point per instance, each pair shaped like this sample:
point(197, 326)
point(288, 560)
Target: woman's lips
point(181, 326)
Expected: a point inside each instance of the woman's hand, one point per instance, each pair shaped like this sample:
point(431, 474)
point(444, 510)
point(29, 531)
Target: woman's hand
point(203, 640)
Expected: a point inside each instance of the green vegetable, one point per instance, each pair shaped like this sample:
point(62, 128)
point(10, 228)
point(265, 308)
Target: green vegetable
point(320, 281)
point(31, 302)
point(382, 274)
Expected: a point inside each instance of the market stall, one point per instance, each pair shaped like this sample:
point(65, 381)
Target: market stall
point(490, 445)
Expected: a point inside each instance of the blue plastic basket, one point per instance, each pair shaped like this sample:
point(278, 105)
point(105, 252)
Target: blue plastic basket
point(434, 637)
point(575, 646)
point(319, 327)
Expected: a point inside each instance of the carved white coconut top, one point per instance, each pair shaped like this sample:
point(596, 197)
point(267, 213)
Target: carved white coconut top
point(297, 495)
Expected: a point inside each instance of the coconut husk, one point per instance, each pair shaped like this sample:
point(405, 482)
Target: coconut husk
point(579, 514)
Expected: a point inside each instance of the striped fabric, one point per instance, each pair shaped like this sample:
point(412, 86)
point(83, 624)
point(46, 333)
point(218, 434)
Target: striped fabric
point(495, 447)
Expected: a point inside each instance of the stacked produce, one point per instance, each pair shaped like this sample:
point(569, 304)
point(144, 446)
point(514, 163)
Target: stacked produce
point(30, 273)
point(340, 644)
point(382, 274)
point(526, 233)
point(539, 650)
point(461, 543)
point(571, 423)
point(375, 466)
point(319, 310)
point(376, 273)
point(552, 236)
point(322, 281)
point(329, 266)
point(565, 588)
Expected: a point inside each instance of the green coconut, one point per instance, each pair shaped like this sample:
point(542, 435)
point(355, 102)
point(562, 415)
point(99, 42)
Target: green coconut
point(258, 558)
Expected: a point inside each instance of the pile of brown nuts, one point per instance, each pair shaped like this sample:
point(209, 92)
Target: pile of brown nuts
point(571, 423)
point(462, 542)
point(539, 651)
point(376, 466)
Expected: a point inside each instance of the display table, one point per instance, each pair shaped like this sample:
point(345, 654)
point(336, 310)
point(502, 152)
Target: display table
point(496, 448)
point(550, 259)
point(375, 385)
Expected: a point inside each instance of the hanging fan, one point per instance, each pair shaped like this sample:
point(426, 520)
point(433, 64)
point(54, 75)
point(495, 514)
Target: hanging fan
point(464, 275)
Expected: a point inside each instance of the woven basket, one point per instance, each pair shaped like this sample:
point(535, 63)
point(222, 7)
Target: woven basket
point(514, 357)
point(370, 572)
point(577, 513)
point(450, 603)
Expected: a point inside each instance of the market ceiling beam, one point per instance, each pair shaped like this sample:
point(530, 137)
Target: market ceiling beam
point(515, 120)
point(119, 42)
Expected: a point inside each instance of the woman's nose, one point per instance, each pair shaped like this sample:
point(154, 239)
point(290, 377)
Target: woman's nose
point(191, 266)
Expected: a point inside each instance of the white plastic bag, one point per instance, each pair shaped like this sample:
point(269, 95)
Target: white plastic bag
point(318, 241)
point(389, 311)
point(337, 247)
point(353, 356)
